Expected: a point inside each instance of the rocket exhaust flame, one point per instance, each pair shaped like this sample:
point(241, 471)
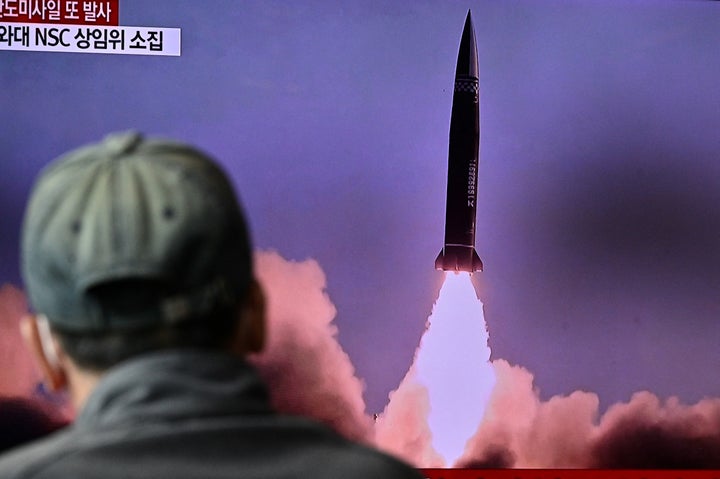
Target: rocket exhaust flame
point(453, 364)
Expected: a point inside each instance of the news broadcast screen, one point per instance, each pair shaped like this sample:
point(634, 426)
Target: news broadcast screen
point(489, 230)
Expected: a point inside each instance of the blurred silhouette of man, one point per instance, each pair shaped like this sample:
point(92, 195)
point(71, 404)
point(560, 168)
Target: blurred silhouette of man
point(137, 261)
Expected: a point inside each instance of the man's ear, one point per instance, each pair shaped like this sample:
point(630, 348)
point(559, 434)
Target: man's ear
point(251, 330)
point(43, 346)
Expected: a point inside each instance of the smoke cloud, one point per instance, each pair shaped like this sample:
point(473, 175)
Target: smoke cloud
point(304, 365)
point(648, 433)
point(402, 429)
point(519, 430)
point(18, 373)
point(309, 374)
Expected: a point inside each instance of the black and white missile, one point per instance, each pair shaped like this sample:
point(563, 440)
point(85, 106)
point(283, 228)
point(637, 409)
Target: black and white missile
point(458, 252)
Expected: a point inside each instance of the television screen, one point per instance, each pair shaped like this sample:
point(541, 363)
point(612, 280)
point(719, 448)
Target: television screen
point(589, 339)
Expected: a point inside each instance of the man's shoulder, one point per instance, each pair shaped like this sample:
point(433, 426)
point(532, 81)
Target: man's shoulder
point(262, 446)
point(357, 461)
point(30, 460)
point(334, 456)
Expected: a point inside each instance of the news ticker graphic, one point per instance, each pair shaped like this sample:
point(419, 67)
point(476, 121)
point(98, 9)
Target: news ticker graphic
point(79, 26)
point(72, 12)
point(570, 474)
point(37, 37)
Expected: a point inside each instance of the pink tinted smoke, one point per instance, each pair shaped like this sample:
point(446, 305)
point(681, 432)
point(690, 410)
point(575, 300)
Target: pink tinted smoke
point(307, 370)
point(18, 372)
point(520, 430)
point(402, 429)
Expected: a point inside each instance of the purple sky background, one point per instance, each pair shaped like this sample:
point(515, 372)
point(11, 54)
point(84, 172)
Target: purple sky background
point(599, 178)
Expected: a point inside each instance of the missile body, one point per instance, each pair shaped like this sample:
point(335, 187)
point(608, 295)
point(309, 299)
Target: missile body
point(458, 253)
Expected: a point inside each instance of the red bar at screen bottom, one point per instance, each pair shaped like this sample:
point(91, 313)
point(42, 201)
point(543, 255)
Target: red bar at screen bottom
point(570, 474)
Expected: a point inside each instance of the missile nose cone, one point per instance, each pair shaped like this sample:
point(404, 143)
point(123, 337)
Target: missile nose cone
point(467, 63)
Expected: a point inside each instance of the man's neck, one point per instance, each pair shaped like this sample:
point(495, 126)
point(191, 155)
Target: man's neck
point(81, 383)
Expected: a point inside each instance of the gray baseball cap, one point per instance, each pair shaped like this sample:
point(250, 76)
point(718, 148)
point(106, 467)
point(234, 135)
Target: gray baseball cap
point(132, 233)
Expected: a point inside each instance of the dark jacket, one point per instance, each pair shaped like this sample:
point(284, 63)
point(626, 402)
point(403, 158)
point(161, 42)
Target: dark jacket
point(192, 414)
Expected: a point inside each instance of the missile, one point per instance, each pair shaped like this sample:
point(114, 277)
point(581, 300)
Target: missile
point(458, 253)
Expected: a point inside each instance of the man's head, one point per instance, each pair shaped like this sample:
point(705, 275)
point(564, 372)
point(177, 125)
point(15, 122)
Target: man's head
point(132, 245)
